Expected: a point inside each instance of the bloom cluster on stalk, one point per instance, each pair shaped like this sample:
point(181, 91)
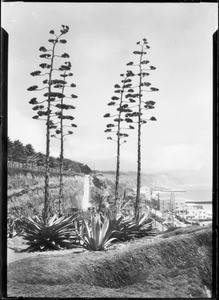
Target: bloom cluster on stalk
point(122, 105)
point(140, 84)
point(55, 86)
point(130, 104)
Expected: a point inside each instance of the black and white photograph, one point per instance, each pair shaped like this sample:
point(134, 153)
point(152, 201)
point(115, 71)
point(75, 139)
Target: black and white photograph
point(109, 149)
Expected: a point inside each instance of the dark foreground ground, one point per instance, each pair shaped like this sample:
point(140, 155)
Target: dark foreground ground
point(177, 264)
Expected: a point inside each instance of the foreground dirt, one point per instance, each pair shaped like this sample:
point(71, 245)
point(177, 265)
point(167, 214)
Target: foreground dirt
point(17, 245)
point(171, 265)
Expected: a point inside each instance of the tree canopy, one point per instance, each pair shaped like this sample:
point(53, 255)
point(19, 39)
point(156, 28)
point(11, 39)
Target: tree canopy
point(18, 152)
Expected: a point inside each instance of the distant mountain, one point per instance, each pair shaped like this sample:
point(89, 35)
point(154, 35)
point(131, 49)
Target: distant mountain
point(188, 177)
point(163, 181)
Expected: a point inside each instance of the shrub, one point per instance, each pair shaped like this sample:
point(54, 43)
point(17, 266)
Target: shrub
point(54, 236)
point(99, 181)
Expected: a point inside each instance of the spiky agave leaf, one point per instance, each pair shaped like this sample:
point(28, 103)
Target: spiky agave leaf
point(129, 227)
point(85, 235)
point(106, 233)
point(97, 236)
point(51, 236)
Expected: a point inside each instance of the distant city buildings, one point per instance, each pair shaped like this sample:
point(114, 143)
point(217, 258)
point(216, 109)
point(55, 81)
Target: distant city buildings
point(166, 201)
point(196, 212)
point(174, 202)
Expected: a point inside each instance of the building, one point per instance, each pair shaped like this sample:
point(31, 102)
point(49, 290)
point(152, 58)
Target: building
point(170, 200)
point(166, 201)
point(196, 212)
point(181, 207)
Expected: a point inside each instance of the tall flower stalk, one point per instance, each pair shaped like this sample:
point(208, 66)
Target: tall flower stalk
point(122, 106)
point(45, 111)
point(60, 125)
point(141, 86)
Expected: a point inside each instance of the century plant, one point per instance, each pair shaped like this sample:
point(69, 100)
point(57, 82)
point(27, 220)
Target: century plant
point(100, 201)
point(54, 235)
point(96, 236)
point(121, 103)
point(102, 230)
point(60, 126)
point(127, 228)
point(44, 106)
point(140, 86)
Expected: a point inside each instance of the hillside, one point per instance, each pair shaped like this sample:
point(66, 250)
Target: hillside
point(25, 192)
point(170, 265)
point(24, 157)
point(154, 181)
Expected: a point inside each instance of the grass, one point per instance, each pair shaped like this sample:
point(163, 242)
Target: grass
point(178, 265)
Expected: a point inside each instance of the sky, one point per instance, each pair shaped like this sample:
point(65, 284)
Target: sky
point(101, 40)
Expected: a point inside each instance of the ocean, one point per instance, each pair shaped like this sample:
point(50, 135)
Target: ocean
point(200, 193)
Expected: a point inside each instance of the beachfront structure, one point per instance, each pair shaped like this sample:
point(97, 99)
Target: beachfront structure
point(166, 201)
point(196, 212)
point(191, 211)
point(181, 207)
point(170, 200)
point(173, 201)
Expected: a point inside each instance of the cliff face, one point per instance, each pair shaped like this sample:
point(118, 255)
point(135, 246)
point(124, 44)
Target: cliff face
point(155, 181)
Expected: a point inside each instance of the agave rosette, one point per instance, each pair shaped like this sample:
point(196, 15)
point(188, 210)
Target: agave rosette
point(97, 236)
point(126, 228)
point(51, 236)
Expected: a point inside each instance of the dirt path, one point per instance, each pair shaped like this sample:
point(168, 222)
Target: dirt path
point(14, 256)
point(17, 244)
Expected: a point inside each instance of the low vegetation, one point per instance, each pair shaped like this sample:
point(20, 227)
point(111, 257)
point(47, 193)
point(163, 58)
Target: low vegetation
point(53, 236)
point(136, 261)
point(95, 233)
point(177, 265)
